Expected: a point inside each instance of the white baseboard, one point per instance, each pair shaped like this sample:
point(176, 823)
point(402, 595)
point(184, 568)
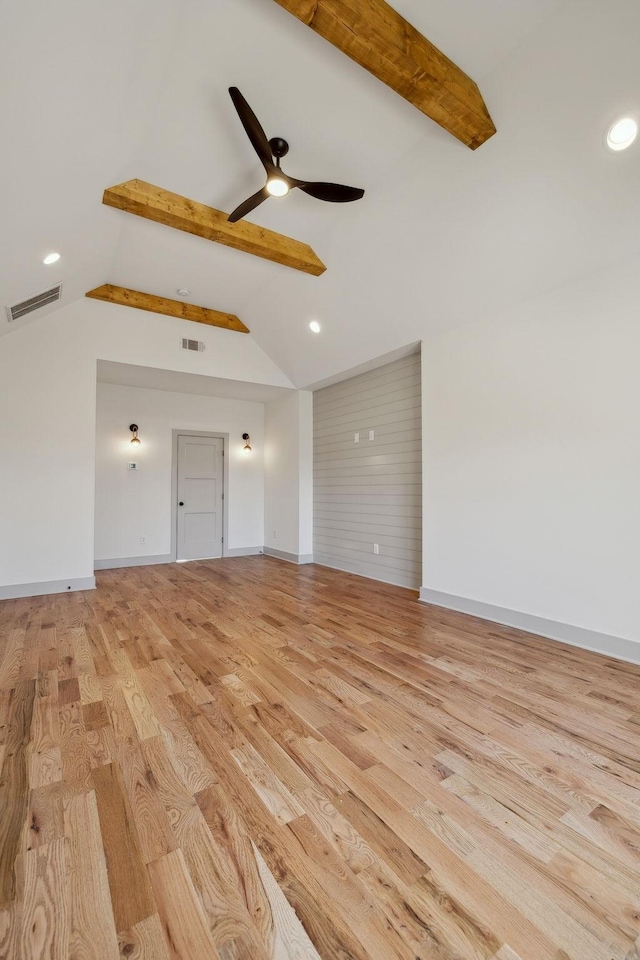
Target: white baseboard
point(116, 562)
point(406, 583)
point(243, 551)
point(617, 647)
point(166, 558)
point(17, 590)
point(289, 557)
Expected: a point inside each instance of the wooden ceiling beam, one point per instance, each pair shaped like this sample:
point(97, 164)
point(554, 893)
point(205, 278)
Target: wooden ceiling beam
point(171, 308)
point(374, 35)
point(154, 203)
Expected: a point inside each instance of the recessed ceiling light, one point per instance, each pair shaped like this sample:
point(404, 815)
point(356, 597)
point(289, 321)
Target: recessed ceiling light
point(183, 292)
point(51, 258)
point(277, 187)
point(314, 326)
point(622, 134)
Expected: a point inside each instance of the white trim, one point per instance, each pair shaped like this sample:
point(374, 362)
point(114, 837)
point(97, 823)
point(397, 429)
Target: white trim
point(617, 647)
point(243, 551)
point(366, 576)
point(17, 590)
point(289, 557)
point(115, 562)
point(168, 558)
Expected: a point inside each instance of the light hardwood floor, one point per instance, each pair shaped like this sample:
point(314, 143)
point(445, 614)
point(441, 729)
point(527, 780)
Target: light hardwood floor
point(244, 759)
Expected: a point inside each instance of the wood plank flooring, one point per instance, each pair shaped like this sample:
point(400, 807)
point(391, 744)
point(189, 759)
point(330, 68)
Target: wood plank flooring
point(243, 759)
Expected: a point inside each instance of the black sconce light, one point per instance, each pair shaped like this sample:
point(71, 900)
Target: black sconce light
point(247, 445)
point(134, 430)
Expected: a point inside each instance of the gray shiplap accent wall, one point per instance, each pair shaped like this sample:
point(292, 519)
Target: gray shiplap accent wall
point(370, 492)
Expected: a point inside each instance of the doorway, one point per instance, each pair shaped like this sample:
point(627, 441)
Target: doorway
point(199, 496)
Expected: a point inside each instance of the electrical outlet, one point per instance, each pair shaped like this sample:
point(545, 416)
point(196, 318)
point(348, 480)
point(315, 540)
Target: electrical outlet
point(372, 434)
point(143, 539)
point(376, 548)
point(356, 438)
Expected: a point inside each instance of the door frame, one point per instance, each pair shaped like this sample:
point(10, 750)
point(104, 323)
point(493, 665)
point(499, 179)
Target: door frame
point(174, 484)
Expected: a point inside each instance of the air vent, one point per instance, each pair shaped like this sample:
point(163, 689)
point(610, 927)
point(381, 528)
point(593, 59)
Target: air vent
point(196, 345)
point(17, 310)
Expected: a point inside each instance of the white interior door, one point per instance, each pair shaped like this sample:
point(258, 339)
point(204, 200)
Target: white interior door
point(200, 478)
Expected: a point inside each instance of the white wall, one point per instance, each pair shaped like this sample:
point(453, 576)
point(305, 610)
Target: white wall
point(532, 457)
point(289, 474)
point(47, 426)
point(133, 504)
point(47, 422)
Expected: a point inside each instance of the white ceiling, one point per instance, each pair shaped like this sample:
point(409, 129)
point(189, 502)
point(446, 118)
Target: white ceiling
point(132, 375)
point(443, 236)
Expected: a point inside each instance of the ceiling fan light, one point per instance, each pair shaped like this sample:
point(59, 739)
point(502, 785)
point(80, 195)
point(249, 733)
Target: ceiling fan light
point(277, 187)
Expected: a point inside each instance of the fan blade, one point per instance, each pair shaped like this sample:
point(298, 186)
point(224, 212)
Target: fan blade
point(248, 205)
point(252, 127)
point(333, 192)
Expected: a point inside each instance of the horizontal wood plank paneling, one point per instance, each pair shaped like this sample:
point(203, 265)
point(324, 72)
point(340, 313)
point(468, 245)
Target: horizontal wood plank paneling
point(387, 443)
point(352, 531)
point(393, 411)
point(370, 399)
point(371, 491)
point(384, 484)
point(331, 506)
point(357, 505)
point(347, 450)
point(345, 431)
point(377, 376)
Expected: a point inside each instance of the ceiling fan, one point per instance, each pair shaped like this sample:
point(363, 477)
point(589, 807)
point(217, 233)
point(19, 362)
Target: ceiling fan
point(278, 183)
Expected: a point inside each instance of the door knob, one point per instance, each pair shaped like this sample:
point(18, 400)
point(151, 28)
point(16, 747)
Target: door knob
point(181, 504)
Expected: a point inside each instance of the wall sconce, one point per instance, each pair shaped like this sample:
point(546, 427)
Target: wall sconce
point(134, 430)
point(247, 445)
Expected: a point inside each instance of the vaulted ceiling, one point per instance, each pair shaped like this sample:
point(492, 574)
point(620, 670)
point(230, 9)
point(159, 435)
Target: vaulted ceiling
point(95, 94)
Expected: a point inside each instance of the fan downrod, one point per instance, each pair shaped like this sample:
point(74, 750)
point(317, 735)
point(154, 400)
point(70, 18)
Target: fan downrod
point(279, 147)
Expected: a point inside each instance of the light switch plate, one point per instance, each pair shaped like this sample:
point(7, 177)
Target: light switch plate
point(132, 466)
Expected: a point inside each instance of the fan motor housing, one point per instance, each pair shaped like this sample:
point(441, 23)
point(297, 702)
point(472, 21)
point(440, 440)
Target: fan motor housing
point(279, 147)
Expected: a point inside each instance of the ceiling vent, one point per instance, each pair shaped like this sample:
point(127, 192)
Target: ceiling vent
point(17, 310)
point(196, 345)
